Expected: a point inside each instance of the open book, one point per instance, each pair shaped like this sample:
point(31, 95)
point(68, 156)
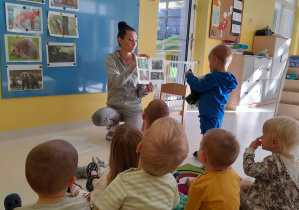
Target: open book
point(151, 70)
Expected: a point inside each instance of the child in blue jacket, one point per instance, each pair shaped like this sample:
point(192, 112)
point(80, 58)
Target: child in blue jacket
point(214, 88)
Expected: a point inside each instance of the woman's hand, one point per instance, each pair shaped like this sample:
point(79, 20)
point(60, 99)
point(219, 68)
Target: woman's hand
point(144, 55)
point(149, 88)
point(256, 143)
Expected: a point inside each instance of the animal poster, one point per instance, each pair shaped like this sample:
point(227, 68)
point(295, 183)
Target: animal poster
point(63, 25)
point(61, 54)
point(24, 77)
point(23, 48)
point(23, 18)
point(64, 4)
point(151, 70)
point(35, 1)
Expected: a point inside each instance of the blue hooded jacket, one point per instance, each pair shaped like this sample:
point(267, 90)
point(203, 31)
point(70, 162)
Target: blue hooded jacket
point(214, 89)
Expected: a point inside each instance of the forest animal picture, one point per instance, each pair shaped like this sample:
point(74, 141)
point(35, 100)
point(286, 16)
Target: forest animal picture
point(63, 25)
point(157, 76)
point(23, 18)
point(158, 64)
point(64, 4)
point(24, 77)
point(35, 1)
point(61, 54)
point(142, 63)
point(151, 70)
point(23, 48)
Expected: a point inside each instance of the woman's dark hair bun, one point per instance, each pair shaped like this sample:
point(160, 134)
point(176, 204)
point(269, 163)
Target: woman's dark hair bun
point(122, 25)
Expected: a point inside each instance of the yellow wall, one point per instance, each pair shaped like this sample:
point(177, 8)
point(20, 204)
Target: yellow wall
point(203, 43)
point(260, 11)
point(294, 48)
point(40, 111)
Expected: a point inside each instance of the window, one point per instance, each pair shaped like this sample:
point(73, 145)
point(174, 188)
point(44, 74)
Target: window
point(169, 18)
point(283, 17)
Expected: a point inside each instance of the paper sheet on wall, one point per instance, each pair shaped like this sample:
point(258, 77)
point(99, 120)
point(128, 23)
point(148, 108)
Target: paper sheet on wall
point(215, 16)
point(237, 16)
point(78, 142)
point(238, 4)
point(236, 29)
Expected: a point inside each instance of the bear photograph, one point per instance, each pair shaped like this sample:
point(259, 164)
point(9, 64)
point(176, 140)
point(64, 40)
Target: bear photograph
point(64, 25)
point(23, 18)
point(22, 48)
point(28, 78)
point(61, 54)
point(157, 76)
point(64, 4)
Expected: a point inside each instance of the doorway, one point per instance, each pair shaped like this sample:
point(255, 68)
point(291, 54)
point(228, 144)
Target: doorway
point(176, 28)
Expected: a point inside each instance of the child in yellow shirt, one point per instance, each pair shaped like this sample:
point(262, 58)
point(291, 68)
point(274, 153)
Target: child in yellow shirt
point(219, 186)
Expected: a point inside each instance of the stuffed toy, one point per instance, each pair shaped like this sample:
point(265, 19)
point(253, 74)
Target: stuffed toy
point(193, 98)
point(245, 184)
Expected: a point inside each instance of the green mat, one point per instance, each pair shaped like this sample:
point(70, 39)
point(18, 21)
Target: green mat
point(186, 171)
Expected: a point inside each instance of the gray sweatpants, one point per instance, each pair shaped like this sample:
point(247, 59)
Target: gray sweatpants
point(108, 116)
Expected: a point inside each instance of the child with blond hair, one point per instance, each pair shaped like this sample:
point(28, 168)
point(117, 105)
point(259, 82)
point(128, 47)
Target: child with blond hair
point(214, 88)
point(276, 184)
point(151, 186)
point(50, 169)
point(219, 186)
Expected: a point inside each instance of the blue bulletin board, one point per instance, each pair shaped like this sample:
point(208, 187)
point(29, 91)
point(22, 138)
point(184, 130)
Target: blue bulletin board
point(97, 29)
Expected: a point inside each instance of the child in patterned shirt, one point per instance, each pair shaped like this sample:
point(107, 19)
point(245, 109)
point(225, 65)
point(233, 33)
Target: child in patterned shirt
point(162, 149)
point(276, 184)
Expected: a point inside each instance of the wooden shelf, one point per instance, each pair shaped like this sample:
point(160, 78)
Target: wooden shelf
point(288, 110)
point(291, 85)
point(289, 99)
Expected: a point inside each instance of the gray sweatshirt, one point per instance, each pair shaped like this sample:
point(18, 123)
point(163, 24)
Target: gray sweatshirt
point(124, 91)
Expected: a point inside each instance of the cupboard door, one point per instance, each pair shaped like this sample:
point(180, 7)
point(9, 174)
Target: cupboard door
point(250, 97)
point(248, 68)
point(265, 84)
point(250, 85)
point(273, 88)
point(261, 74)
point(280, 57)
point(260, 62)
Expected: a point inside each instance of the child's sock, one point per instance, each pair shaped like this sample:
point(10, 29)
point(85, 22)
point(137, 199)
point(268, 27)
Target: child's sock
point(95, 180)
point(75, 189)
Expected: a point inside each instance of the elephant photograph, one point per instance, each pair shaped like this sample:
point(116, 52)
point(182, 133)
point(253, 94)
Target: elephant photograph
point(25, 80)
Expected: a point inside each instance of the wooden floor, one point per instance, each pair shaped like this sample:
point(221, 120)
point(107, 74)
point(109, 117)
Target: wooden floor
point(14, 145)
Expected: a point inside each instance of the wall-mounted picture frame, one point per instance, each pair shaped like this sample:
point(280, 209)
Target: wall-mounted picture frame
point(24, 77)
point(23, 48)
point(72, 5)
point(23, 18)
point(34, 1)
point(63, 25)
point(61, 54)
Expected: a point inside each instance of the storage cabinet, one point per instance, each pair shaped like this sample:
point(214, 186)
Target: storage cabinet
point(253, 77)
point(278, 48)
